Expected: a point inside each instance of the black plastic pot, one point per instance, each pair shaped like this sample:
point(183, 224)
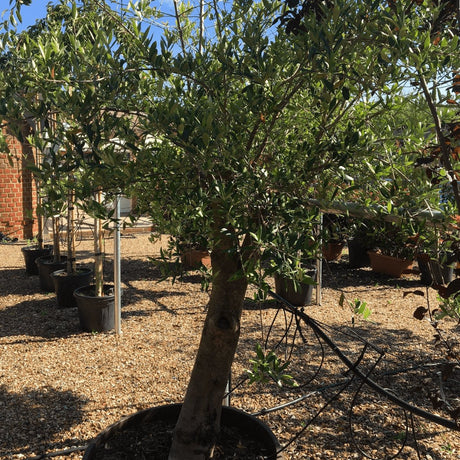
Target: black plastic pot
point(297, 294)
point(96, 314)
point(434, 272)
point(245, 423)
point(65, 284)
point(31, 254)
point(46, 266)
point(357, 253)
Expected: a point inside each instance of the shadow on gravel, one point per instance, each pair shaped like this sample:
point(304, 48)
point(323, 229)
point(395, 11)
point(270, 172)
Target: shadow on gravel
point(411, 373)
point(38, 318)
point(39, 415)
point(339, 274)
point(36, 313)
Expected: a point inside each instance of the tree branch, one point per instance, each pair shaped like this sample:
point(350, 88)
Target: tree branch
point(445, 153)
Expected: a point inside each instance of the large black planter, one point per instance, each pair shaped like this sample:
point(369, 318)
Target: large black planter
point(296, 293)
point(46, 266)
point(65, 284)
point(357, 253)
point(31, 254)
point(96, 314)
point(106, 444)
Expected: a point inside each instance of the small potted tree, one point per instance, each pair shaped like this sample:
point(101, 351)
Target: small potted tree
point(71, 277)
point(292, 262)
point(53, 205)
point(334, 236)
point(58, 174)
point(96, 302)
point(358, 242)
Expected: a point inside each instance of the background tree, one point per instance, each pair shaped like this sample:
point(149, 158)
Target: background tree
point(51, 78)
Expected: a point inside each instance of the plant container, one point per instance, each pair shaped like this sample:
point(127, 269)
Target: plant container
point(333, 250)
point(96, 313)
point(296, 293)
point(46, 266)
point(357, 253)
point(65, 284)
point(32, 253)
point(135, 435)
point(433, 271)
point(193, 259)
point(389, 265)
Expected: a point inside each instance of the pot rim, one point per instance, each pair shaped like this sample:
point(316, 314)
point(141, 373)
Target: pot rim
point(36, 248)
point(78, 292)
point(230, 413)
point(81, 271)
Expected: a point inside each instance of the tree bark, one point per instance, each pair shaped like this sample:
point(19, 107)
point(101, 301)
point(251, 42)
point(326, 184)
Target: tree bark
point(199, 420)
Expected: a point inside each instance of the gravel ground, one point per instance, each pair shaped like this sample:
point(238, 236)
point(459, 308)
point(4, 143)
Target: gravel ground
point(59, 387)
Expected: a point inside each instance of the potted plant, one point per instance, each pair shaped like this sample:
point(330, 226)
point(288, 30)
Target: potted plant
point(334, 226)
point(358, 242)
point(50, 263)
point(67, 280)
point(292, 257)
point(436, 256)
point(96, 302)
point(234, 116)
point(57, 176)
point(297, 288)
point(34, 249)
point(193, 249)
point(394, 246)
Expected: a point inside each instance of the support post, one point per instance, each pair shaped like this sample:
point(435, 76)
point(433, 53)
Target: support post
point(319, 263)
point(117, 266)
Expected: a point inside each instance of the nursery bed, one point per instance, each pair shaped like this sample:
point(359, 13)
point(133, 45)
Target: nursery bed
point(59, 387)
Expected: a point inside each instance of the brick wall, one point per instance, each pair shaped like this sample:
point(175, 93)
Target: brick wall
point(17, 192)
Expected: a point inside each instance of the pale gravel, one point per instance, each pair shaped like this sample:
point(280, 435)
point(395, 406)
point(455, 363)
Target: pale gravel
point(59, 387)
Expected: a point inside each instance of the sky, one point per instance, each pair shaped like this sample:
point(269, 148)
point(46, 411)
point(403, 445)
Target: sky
point(37, 10)
point(30, 14)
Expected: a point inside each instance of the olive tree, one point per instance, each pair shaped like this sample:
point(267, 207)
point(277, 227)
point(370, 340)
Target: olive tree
point(251, 119)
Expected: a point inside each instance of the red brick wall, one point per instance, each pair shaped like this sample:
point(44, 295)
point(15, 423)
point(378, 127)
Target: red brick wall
point(17, 192)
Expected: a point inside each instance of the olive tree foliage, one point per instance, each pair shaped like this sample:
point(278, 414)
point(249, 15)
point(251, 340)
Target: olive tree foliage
point(52, 78)
point(414, 145)
point(232, 129)
point(259, 118)
point(431, 60)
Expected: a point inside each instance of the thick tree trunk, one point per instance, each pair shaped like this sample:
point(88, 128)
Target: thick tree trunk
point(198, 424)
